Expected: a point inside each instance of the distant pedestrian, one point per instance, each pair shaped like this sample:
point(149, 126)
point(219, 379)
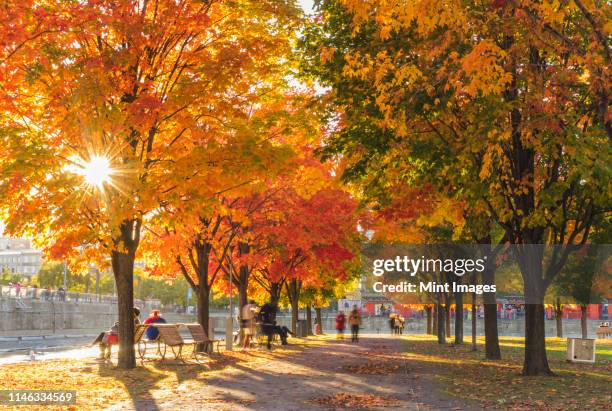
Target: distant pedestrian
point(61, 293)
point(355, 321)
point(340, 324)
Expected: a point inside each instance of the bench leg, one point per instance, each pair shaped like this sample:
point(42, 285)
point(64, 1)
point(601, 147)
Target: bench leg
point(142, 350)
point(161, 353)
point(195, 353)
point(178, 354)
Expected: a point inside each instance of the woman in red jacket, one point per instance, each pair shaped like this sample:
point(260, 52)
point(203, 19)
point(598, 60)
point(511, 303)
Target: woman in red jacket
point(340, 323)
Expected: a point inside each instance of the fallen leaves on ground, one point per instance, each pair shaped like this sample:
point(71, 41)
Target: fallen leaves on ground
point(500, 385)
point(355, 400)
point(373, 368)
point(101, 385)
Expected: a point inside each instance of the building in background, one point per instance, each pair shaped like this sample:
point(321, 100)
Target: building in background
point(18, 256)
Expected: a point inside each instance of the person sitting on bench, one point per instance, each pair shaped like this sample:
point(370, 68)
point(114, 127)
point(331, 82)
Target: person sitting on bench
point(154, 318)
point(267, 315)
point(107, 338)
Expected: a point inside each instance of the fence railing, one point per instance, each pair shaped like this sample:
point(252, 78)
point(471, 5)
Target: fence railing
point(42, 294)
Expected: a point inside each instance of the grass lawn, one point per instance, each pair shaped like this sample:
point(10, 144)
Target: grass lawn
point(498, 384)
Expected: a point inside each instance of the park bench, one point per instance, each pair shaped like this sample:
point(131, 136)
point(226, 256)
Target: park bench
point(169, 336)
point(141, 341)
point(603, 332)
point(199, 336)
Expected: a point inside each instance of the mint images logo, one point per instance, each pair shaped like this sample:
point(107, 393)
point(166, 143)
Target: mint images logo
point(413, 266)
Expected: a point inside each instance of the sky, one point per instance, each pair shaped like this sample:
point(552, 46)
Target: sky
point(307, 5)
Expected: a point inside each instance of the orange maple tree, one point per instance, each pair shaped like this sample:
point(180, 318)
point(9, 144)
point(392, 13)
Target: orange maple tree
point(109, 107)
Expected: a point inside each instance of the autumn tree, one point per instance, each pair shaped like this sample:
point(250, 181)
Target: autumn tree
point(508, 99)
point(99, 100)
point(584, 279)
point(314, 234)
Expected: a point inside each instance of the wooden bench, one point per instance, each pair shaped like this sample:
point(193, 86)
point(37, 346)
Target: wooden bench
point(199, 336)
point(603, 332)
point(141, 341)
point(169, 336)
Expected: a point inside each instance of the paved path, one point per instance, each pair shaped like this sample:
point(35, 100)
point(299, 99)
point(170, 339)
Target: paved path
point(375, 366)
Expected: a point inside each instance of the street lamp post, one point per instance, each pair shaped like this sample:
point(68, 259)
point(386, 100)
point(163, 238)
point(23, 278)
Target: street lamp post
point(229, 326)
point(65, 275)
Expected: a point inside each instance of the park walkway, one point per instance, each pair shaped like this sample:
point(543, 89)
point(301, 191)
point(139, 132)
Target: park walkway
point(333, 375)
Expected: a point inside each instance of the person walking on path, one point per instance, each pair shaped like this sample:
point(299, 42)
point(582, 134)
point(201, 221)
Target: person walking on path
point(340, 324)
point(392, 323)
point(247, 322)
point(355, 321)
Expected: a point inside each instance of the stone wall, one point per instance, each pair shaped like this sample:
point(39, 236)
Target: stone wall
point(35, 317)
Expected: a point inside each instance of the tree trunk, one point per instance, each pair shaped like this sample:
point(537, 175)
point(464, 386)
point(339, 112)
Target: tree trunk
point(559, 317)
point(492, 351)
point(242, 283)
point(474, 314)
point(123, 269)
point(319, 318)
point(242, 301)
point(275, 290)
point(458, 318)
point(203, 299)
point(535, 362)
point(242, 298)
point(295, 314)
point(530, 258)
point(583, 320)
point(434, 328)
point(429, 320)
point(293, 292)
point(309, 320)
point(441, 330)
point(447, 318)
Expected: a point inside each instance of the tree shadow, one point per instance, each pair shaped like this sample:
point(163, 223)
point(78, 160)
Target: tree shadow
point(139, 383)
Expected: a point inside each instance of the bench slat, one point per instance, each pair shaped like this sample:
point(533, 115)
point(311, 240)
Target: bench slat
point(197, 333)
point(169, 334)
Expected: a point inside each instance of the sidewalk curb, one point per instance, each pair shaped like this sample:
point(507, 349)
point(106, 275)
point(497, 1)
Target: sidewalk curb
point(44, 337)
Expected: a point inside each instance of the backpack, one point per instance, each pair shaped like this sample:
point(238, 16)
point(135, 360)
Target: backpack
point(267, 314)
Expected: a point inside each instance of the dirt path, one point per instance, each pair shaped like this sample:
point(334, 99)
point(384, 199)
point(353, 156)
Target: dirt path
point(335, 375)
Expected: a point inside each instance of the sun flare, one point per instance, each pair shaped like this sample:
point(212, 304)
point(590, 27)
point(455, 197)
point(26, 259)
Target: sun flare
point(96, 171)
